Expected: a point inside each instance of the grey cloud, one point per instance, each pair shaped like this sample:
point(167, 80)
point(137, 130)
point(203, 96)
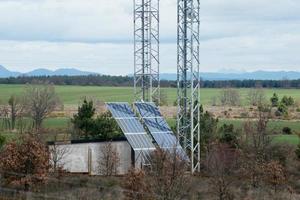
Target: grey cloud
point(97, 34)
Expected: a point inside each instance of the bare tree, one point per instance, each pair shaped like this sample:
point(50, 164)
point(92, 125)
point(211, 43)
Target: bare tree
point(255, 147)
point(256, 96)
point(4, 115)
point(40, 100)
point(16, 109)
point(259, 136)
point(58, 153)
point(167, 178)
point(214, 101)
point(221, 163)
point(109, 160)
point(163, 98)
point(230, 97)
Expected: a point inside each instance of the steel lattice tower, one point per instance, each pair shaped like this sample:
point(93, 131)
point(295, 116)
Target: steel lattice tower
point(146, 51)
point(188, 80)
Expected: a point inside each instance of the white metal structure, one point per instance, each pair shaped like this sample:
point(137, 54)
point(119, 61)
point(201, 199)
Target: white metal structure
point(146, 51)
point(188, 80)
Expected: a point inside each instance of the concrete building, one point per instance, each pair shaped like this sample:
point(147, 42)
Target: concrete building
point(84, 156)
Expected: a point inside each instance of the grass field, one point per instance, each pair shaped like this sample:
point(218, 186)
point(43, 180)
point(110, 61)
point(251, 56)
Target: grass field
point(276, 126)
point(72, 95)
point(63, 122)
point(273, 125)
point(286, 139)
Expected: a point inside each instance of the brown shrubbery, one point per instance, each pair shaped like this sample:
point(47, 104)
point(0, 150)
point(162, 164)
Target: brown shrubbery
point(166, 179)
point(221, 164)
point(25, 163)
point(109, 160)
point(135, 186)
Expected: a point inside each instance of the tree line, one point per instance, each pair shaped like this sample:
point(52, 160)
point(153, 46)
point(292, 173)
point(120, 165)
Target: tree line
point(105, 80)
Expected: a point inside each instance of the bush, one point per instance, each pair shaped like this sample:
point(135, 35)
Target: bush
point(282, 110)
point(297, 151)
point(291, 101)
point(280, 153)
point(287, 131)
point(274, 100)
point(208, 126)
point(277, 113)
point(228, 135)
point(105, 127)
point(244, 115)
point(274, 174)
point(26, 161)
point(288, 101)
point(2, 141)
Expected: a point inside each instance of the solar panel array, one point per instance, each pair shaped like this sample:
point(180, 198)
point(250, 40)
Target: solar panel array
point(131, 126)
point(158, 127)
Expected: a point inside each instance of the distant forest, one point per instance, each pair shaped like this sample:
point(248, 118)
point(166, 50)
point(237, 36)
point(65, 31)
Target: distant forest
point(118, 81)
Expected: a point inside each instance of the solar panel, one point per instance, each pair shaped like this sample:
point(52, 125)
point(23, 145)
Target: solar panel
point(157, 124)
point(147, 109)
point(158, 127)
point(131, 126)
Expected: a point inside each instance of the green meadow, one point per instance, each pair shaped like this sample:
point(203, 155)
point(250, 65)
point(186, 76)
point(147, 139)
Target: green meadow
point(71, 95)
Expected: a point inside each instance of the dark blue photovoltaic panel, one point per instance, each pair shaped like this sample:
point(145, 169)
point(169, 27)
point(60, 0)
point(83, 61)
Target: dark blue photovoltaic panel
point(140, 141)
point(132, 128)
point(158, 127)
point(130, 125)
point(147, 109)
point(121, 110)
point(165, 140)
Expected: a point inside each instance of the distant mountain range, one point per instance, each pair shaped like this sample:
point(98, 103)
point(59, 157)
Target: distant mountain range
point(257, 75)
point(4, 73)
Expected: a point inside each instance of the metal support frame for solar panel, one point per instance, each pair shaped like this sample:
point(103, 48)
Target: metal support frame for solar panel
point(159, 128)
point(188, 80)
point(133, 130)
point(146, 50)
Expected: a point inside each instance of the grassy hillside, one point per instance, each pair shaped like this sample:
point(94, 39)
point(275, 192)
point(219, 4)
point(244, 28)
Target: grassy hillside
point(71, 95)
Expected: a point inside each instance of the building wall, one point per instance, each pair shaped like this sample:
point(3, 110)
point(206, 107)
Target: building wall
point(77, 158)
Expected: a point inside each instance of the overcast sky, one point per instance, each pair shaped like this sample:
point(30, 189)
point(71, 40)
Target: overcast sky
point(96, 35)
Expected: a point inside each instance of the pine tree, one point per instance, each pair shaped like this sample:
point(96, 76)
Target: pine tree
point(274, 100)
point(83, 120)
